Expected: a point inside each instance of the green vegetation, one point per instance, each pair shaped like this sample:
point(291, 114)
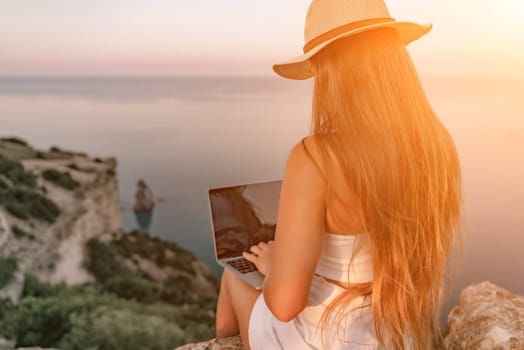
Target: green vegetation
point(5, 306)
point(4, 184)
point(73, 166)
point(15, 172)
point(20, 196)
point(25, 204)
point(8, 268)
point(56, 149)
point(104, 261)
point(86, 317)
point(62, 179)
point(33, 287)
point(16, 140)
point(155, 249)
point(121, 329)
point(122, 309)
point(19, 233)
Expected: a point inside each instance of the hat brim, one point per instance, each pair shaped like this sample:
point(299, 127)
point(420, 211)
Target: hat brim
point(299, 68)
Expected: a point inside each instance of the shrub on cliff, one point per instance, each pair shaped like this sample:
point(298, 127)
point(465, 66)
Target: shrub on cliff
point(44, 321)
point(121, 329)
point(102, 261)
point(133, 287)
point(15, 140)
point(105, 262)
point(20, 196)
point(16, 173)
point(25, 203)
point(8, 268)
point(5, 306)
point(84, 317)
point(4, 184)
point(153, 248)
point(56, 149)
point(20, 233)
point(33, 287)
point(176, 291)
point(62, 179)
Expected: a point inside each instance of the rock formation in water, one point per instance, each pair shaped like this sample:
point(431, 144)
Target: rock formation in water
point(144, 199)
point(144, 205)
point(488, 317)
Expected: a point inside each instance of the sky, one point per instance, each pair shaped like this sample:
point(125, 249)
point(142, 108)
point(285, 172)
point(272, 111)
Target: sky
point(236, 37)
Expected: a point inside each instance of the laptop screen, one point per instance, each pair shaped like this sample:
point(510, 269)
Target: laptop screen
point(243, 216)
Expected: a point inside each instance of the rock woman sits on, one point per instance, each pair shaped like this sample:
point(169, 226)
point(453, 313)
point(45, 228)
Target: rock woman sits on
point(370, 201)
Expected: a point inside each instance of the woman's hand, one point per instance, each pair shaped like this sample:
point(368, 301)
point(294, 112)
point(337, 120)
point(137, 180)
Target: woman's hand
point(262, 256)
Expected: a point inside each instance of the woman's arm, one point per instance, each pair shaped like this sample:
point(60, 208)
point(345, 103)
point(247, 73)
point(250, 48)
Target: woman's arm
point(299, 236)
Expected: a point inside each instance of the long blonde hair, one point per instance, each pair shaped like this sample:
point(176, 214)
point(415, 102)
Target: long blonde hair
point(401, 164)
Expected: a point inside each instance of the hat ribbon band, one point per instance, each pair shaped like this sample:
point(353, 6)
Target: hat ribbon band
point(343, 29)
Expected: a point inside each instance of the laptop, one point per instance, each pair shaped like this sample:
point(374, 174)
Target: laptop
point(243, 216)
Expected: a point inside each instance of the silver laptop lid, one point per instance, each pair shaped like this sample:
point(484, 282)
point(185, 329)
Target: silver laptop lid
point(243, 215)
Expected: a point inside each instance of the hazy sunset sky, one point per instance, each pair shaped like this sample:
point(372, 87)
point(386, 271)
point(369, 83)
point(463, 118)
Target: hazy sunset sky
point(240, 37)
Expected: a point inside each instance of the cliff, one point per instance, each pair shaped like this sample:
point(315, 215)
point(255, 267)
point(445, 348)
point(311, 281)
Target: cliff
point(70, 278)
point(54, 251)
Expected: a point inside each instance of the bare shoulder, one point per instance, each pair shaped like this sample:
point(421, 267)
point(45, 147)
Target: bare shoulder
point(312, 143)
point(303, 178)
point(308, 151)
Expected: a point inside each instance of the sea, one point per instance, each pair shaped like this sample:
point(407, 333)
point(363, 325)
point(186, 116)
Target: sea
point(184, 135)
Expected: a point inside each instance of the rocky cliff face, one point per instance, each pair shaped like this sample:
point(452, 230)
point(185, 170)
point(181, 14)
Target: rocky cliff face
point(91, 211)
point(55, 251)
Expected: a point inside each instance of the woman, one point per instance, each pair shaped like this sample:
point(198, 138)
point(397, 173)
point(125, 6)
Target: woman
point(370, 202)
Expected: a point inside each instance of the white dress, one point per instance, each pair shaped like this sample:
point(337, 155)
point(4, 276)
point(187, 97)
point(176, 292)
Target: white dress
point(356, 331)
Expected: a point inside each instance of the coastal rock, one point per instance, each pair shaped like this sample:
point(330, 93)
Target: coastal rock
point(488, 317)
point(55, 251)
point(233, 343)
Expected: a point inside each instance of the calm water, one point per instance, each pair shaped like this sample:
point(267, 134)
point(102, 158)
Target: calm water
point(184, 135)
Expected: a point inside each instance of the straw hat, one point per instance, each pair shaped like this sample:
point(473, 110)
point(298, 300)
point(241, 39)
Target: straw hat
point(330, 20)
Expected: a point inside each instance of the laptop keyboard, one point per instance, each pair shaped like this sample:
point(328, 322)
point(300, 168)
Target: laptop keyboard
point(242, 265)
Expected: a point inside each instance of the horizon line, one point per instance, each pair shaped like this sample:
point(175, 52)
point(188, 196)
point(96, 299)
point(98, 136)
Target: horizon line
point(227, 76)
